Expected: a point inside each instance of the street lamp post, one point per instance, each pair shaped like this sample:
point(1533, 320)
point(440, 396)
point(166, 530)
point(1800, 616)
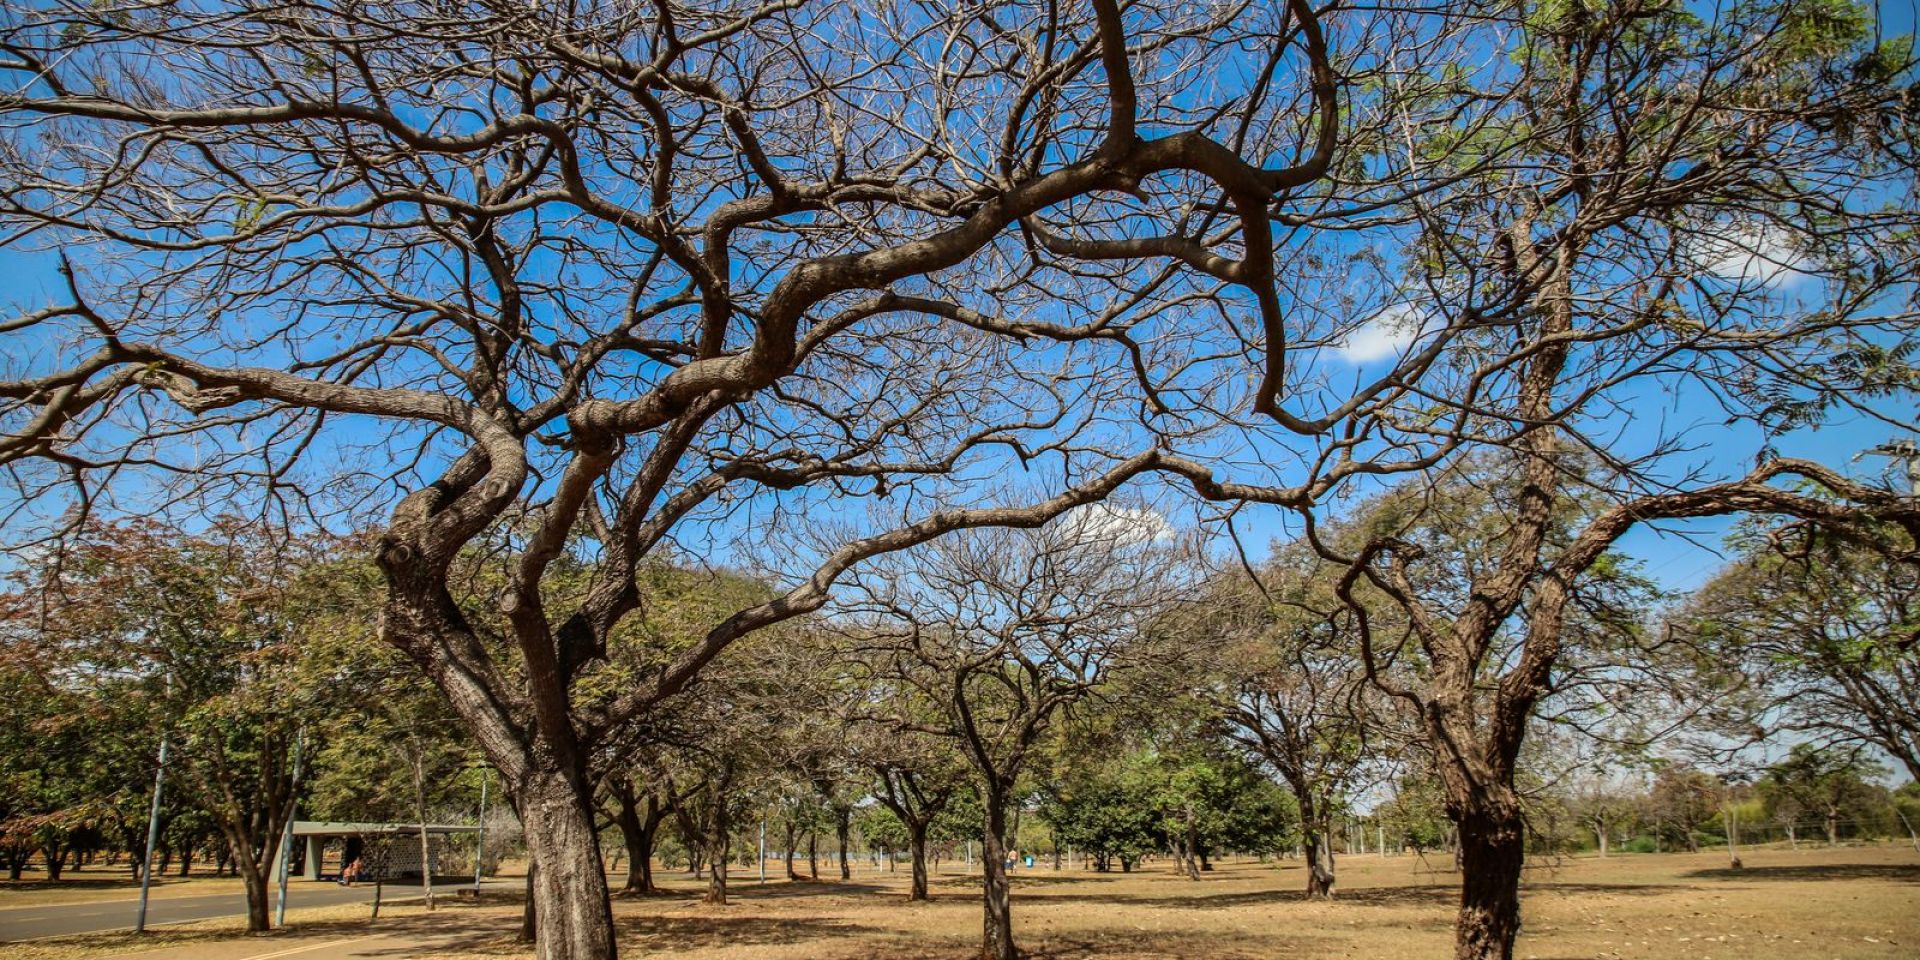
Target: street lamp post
point(153, 837)
point(286, 835)
point(480, 835)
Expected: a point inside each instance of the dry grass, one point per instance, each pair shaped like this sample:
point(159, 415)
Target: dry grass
point(1854, 902)
point(1847, 903)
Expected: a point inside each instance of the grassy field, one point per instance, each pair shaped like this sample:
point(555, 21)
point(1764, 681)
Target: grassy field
point(1853, 902)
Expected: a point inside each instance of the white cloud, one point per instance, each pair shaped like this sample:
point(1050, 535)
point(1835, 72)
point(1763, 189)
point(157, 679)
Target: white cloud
point(1116, 524)
point(1385, 334)
point(1751, 253)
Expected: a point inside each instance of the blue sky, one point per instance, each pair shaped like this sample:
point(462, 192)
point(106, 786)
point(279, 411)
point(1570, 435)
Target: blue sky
point(1680, 556)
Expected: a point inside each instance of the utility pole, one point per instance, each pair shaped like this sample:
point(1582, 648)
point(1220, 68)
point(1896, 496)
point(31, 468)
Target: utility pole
point(286, 836)
point(153, 836)
point(420, 808)
point(480, 835)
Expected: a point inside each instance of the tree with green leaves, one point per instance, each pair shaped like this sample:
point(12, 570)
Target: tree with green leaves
point(207, 634)
point(1821, 632)
point(1208, 798)
point(1832, 784)
point(1104, 808)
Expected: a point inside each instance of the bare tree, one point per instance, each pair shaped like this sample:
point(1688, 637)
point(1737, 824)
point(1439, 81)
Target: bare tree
point(607, 274)
point(918, 783)
point(1001, 630)
point(1485, 675)
point(1293, 690)
point(625, 276)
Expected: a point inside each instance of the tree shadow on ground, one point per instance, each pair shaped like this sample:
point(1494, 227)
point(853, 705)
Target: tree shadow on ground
point(231, 929)
point(779, 889)
point(638, 935)
point(1134, 943)
point(1828, 871)
point(1125, 940)
point(1437, 893)
point(974, 881)
point(643, 935)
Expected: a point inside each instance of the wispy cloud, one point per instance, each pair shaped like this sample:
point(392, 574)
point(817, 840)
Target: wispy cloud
point(1385, 334)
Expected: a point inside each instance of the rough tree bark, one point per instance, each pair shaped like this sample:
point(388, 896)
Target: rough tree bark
point(572, 907)
point(996, 941)
point(843, 832)
point(639, 822)
point(1493, 849)
point(917, 846)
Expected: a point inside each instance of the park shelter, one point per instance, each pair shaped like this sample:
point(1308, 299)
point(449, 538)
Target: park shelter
point(399, 843)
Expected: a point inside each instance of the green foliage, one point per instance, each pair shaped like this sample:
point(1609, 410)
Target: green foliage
point(1821, 784)
point(1120, 810)
point(231, 641)
point(881, 829)
point(1417, 813)
point(1107, 812)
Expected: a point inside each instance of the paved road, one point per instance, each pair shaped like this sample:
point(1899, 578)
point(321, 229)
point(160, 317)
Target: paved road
point(33, 923)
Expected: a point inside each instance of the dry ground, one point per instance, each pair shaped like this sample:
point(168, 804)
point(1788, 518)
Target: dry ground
point(1853, 902)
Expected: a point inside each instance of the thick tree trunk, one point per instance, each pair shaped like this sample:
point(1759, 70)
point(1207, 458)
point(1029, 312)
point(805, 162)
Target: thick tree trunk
point(572, 912)
point(1320, 879)
point(716, 882)
point(717, 856)
point(996, 894)
point(639, 847)
point(813, 855)
point(1492, 851)
point(917, 840)
point(637, 836)
point(843, 830)
point(1183, 857)
point(1833, 828)
point(56, 859)
point(253, 875)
